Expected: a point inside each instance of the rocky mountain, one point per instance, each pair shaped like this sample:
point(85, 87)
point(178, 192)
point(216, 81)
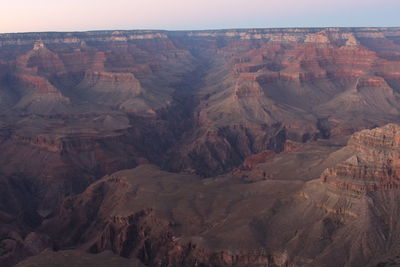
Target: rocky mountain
point(167, 219)
point(270, 110)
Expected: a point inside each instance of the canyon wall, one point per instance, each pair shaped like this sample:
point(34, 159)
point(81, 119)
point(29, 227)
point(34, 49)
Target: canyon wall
point(77, 106)
point(172, 219)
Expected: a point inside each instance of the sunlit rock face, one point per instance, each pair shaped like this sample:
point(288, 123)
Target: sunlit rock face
point(374, 166)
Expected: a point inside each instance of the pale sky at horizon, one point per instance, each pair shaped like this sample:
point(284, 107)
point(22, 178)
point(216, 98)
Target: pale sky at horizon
point(74, 15)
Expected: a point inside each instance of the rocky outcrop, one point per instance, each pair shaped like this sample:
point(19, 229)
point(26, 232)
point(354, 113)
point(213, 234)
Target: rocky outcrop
point(374, 165)
point(359, 197)
point(242, 84)
point(67, 159)
point(39, 96)
point(111, 89)
point(218, 151)
point(253, 160)
point(13, 247)
point(274, 102)
point(114, 214)
point(182, 220)
point(307, 82)
point(18, 219)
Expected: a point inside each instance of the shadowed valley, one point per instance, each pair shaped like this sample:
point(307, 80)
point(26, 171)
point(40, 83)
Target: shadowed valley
point(263, 147)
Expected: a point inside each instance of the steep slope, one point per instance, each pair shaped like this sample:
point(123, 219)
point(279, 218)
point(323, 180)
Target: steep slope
point(362, 191)
point(178, 220)
point(170, 218)
point(249, 90)
point(264, 103)
point(374, 166)
point(267, 86)
point(76, 108)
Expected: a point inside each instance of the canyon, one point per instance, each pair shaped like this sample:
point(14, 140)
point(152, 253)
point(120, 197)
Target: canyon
point(257, 147)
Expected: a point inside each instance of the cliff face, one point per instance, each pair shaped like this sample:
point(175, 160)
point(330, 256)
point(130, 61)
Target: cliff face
point(245, 90)
point(374, 166)
point(77, 106)
point(164, 221)
point(266, 87)
point(179, 220)
point(364, 187)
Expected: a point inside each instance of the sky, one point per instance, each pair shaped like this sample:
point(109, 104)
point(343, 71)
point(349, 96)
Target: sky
point(83, 15)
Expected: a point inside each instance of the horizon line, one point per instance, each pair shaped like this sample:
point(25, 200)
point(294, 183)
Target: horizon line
point(200, 30)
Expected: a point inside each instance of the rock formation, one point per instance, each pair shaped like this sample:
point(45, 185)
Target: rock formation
point(179, 220)
point(374, 166)
point(273, 107)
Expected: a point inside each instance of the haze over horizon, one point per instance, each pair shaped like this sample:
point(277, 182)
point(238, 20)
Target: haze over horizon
point(71, 15)
point(264, 133)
